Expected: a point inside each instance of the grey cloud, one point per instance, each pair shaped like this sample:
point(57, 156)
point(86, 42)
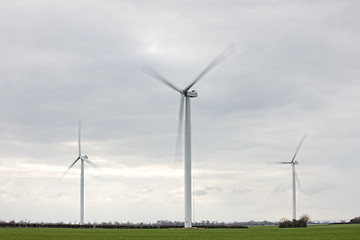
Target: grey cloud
point(207, 190)
point(295, 70)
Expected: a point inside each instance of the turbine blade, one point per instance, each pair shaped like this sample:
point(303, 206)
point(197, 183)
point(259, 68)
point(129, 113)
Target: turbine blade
point(298, 147)
point(298, 181)
point(79, 138)
point(69, 168)
point(283, 162)
point(178, 150)
point(91, 163)
point(225, 54)
point(73, 163)
point(152, 73)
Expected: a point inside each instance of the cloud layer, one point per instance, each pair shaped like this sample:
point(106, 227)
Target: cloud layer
point(295, 71)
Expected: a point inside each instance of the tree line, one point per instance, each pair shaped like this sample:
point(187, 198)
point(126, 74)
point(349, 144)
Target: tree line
point(303, 221)
point(116, 225)
point(283, 223)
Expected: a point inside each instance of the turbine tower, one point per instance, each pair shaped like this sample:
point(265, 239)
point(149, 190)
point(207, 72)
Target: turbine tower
point(186, 94)
point(83, 159)
point(295, 178)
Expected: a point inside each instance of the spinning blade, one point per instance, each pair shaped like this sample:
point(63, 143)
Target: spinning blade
point(298, 147)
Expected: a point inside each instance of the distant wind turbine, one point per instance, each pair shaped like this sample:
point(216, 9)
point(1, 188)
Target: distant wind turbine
point(295, 177)
point(187, 93)
point(82, 158)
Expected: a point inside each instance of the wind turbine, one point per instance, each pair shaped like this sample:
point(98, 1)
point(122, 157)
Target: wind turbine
point(293, 163)
point(187, 93)
point(82, 158)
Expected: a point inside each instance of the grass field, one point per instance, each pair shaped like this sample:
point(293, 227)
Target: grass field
point(321, 232)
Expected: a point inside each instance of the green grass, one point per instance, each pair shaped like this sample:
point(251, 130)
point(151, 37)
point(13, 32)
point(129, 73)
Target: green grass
point(331, 232)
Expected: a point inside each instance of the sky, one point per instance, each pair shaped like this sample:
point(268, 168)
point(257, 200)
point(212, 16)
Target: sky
point(295, 71)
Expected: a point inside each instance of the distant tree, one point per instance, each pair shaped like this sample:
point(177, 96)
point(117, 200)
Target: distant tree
point(285, 223)
point(302, 222)
point(355, 220)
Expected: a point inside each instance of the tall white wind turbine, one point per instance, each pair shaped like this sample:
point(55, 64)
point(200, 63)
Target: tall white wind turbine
point(295, 178)
point(83, 159)
point(187, 93)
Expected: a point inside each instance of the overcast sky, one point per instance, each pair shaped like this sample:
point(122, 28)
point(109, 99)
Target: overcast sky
point(295, 70)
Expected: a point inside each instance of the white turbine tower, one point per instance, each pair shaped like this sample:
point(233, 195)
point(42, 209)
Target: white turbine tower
point(187, 93)
point(82, 158)
point(295, 178)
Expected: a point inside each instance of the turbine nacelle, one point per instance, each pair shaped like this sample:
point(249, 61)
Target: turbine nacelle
point(85, 157)
point(295, 163)
point(191, 93)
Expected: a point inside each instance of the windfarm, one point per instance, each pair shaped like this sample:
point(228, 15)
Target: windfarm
point(177, 115)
